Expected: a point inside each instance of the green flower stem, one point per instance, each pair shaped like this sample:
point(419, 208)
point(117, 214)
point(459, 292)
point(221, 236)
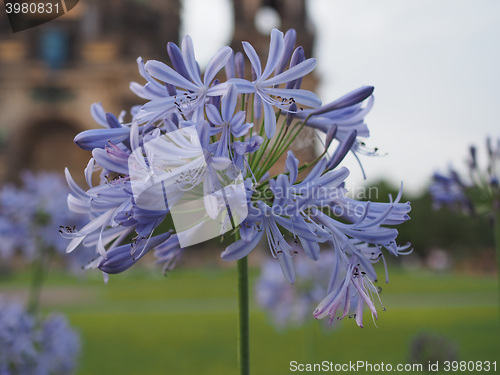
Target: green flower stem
point(37, 281)
point(283, 147)
point(260, 152)
point(243, 102)
point(274, 149)
point(256, 156)
point(244, 332)
point(251, 114)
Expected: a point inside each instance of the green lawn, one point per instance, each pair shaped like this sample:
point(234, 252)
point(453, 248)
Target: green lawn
point(142, 323)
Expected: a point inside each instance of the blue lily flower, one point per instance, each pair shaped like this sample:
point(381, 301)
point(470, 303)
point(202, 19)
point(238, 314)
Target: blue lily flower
point(121, 258)
point(345, 116)
point(266, 88)
point(227, 121)
point(190, 100)
point(115, 130)
point(354, 290)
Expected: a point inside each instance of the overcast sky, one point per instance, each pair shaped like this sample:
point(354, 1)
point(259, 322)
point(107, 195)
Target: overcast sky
point(434, 64)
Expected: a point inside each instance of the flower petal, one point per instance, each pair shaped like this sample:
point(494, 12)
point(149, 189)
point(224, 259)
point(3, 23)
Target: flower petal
point(166, 74)
point(297, 71)
point(75, 189)
point(287, 266)
point(269, 119)
point(99, 138)
point(311, 248)
point(253, 57)
point(343, 148)
point(216, 63)
point(104, 160)
point(352, 98)
point(240, 248)
point(213, 115)
point(121, 258)
point(99, 114)
point(275, 51)
point(177, 60)
point(304, 97)
point(190, 60)
point(289, 42)
point(292, 166)
point(228, 103)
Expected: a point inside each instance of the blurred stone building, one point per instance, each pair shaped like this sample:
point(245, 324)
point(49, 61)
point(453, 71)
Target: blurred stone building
point(288, 14)
point(51, 74)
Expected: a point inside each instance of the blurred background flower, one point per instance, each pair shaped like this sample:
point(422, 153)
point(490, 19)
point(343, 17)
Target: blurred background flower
point(30, 219)
point(29, 345)
point(291, 305)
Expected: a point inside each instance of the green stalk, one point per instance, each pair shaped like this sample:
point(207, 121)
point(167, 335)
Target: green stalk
point(276, 146)
point(243, 96)
point(251, 116)
point(300, 169)
point(37, 281)
point(258, 154)
point(243, 321)
point(283, 147)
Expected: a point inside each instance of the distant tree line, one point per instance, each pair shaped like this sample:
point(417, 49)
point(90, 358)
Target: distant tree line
point(460, 234)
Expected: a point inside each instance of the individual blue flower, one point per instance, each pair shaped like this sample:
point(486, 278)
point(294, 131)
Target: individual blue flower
point(343, 119)
point(114, 131)
point(242, 149)
point(227, 122)
point(366, 220)
point(121, 258)
point(349, 295)
point(102, 204)
point(266, 89)
point(190, 98)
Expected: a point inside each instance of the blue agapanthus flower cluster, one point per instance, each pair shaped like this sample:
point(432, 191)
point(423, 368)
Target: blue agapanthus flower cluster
point(479, 191)
point(200, 154)
point(29, 346)
point(31, 214)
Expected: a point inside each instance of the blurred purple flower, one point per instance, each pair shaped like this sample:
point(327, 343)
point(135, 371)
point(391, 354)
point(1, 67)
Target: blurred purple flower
point(291, 305)
point(32, 346)
point(31, 215)
point(479, 191)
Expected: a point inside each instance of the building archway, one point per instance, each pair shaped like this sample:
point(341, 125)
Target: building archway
point(46, 145)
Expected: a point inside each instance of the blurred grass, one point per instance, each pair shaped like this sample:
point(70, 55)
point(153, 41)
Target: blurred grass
point(142, 323)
